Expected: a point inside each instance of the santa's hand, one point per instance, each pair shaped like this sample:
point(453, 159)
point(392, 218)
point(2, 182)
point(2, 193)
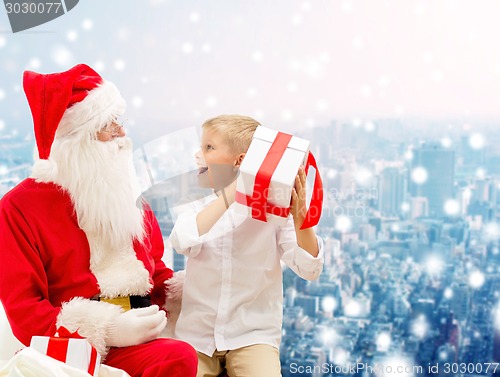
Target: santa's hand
point(136, 326)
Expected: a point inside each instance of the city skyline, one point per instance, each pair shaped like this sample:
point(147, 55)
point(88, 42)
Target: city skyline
point(406, 287)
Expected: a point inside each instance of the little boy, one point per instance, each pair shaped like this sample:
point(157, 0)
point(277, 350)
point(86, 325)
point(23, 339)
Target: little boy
point(233, 295)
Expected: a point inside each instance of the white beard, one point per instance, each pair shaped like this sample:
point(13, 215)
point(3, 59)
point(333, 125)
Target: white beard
point(101, 182)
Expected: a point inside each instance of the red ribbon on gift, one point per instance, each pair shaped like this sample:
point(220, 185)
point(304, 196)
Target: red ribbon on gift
point(258, 202)
point(316, 206)
point(58, 347)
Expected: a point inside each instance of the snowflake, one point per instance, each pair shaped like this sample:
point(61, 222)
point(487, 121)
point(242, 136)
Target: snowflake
point(206, 48)
point(194, 17)
point(34, 63)
point(187, 48)
point(257, 56)
point(420, 327)
point(251, 92)
point(480, 173)
point(405, 207)
point(356, 122)
point(211, 101)
point(451, 207)
point(366, 91)
point(396, 365)
point(383, 81)
point(340, 357)
point(72, 36)
point(477, 141)
point(62, 56)
point(369, 126)
point(347, 7)
point(343, 224)
point(87, 24)
point(399, 110)
point(287, 115)
point(292, 87)
point(437, 76)
point(3, 41)
point(448, 293)
point(419, 175)
point(119, 64)
point(476, 279)
point(137, 101)
point(297, 19)
point(331, 173)
point(353, 309)
point(446, 142)
point(2, 125)
point(428, 57)
point(492, 231)
point(409, 155)
point(329, 304)
point(383, 342)
point(2, 94)
point(434, 265)
point(329, 336)
point(363, 176)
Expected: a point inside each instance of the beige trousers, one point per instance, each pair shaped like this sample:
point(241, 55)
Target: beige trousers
point(253, 361)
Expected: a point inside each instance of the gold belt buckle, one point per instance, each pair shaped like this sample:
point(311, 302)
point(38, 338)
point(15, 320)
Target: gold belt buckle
point(124, 302)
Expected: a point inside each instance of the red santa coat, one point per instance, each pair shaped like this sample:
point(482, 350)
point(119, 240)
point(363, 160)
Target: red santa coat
point(45, 262)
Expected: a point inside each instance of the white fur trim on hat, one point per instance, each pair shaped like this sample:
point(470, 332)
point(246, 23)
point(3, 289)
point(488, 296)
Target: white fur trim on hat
point(44, 170)
point(91, 319)
point(88, 116)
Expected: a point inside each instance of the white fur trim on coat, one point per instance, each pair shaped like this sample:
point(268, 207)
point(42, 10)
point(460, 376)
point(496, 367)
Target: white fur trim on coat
point(173, 301)
point(118, 272)
point(91, 319)
point(175, 284)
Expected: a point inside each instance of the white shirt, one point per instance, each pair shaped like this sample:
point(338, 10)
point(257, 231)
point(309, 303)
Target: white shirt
point(233, 292)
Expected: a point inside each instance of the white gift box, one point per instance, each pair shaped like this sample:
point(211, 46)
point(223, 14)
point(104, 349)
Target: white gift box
point(77, 353)
point(278, 157)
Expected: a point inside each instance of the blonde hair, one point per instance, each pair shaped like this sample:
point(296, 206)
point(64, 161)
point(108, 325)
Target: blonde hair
point(237, 130)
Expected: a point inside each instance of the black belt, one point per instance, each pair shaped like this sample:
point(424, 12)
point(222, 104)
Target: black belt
point(127, 302)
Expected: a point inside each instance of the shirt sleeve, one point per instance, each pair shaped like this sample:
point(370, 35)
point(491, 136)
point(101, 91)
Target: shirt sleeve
point(184, 236)
point(299, 260)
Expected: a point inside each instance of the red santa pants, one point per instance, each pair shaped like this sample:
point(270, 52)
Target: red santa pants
point(159, 358)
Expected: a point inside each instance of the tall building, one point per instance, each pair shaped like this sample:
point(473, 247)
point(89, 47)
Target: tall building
point(437, 184)
point(391, 191)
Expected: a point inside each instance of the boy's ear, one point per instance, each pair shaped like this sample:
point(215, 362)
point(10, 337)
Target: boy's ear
point(239, 159)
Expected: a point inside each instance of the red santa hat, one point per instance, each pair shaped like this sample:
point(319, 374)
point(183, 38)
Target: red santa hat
point(75, 102)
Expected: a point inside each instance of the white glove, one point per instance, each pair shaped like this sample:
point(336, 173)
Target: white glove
point(136, 326)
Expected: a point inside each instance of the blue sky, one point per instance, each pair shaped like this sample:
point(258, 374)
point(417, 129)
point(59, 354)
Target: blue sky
point(289, 63)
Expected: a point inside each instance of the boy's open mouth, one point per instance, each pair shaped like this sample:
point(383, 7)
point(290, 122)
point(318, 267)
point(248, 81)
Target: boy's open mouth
point(202, 169)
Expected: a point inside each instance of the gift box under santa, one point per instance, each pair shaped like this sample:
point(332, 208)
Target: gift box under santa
point(76, 352)
point(267, 176)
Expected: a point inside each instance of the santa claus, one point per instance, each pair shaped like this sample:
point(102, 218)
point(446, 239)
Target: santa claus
point(76, 249)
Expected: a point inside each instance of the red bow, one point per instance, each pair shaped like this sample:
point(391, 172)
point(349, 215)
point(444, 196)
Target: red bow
point(63, 332)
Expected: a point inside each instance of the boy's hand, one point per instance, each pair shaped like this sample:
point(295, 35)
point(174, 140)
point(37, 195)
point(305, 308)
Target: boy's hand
point(299, 208)
point(306, 238)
